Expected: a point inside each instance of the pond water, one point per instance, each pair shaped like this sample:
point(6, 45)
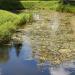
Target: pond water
point(42, 38)
point(18, 60)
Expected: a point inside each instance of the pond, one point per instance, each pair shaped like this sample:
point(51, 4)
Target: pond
point(18, 60)
point(43, 49)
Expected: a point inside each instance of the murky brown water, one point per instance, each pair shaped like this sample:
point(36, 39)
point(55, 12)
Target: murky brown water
point(52, 36)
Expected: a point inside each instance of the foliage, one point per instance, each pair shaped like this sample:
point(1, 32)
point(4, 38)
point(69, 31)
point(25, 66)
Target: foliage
point(39, 4)
point(69, 8)
point(25, 18)
point(17, 5)
point(66, 8)
point(9, 22)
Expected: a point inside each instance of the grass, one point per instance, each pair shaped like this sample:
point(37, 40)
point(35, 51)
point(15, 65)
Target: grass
point(9, 22)
point(66, 8)
point(19, 5)
point(69, 8)
point(37, 4)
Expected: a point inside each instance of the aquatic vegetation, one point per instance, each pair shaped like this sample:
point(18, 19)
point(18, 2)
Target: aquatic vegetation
point(53, 44)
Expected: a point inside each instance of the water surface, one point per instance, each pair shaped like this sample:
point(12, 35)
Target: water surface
point(14, 62)
point(47, 35)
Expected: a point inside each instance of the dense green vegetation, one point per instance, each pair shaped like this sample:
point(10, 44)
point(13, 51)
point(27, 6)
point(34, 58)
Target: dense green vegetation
point(16, 5)
point(67, 6)
point(37, 4)
point(9, 22)
point(40, 5)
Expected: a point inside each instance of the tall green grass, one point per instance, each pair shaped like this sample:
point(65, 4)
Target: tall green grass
point(9, 22)
point(36, 4)
point(66, 8)
point(19, 5)
point(40, 4)
point(69, 8)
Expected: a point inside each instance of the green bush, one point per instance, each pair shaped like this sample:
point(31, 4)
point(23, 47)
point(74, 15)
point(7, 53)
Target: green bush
point(6, 16)
point(9, 22)
point(25, 18)
point(66, 8)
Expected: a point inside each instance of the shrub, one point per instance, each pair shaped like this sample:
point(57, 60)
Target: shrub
point(9, 22)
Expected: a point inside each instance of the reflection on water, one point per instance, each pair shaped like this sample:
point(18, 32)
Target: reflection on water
point(12, 53)
point(4, 53)
point(23, 64)
point(26, 50)
point(59, 71)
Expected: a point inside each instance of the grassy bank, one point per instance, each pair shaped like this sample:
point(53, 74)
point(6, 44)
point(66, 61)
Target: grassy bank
point(66, 8)
point(19, 5)
point(36, 5)
point(69, 8)
point(40, 4)
point(9, 22)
